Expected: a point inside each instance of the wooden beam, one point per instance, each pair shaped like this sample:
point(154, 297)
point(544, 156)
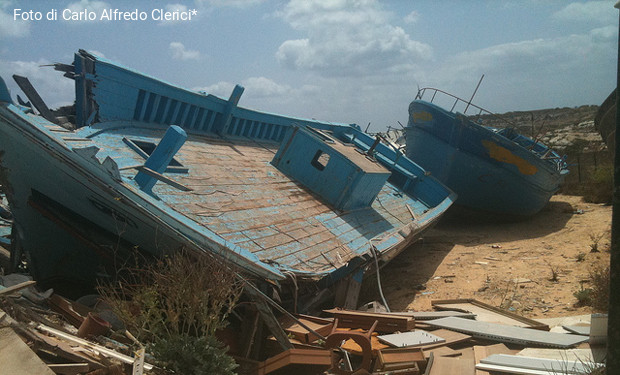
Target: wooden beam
point(35, 98)
point(162, 178)
point(15, 288)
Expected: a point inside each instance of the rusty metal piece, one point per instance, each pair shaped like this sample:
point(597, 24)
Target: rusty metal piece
point(335, 339)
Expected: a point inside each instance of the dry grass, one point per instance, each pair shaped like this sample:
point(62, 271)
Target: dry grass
point(183, 294)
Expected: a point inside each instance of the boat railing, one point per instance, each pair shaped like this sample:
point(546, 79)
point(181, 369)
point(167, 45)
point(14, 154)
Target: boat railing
point(481, 111)
point(544, 153)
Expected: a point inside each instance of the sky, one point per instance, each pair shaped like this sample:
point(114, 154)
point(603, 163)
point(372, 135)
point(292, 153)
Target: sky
point(344, 61)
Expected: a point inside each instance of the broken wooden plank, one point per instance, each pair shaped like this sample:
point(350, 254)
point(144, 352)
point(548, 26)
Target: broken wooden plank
point(364, 320)
point(66, 308)
point(487, 313)
point(17, 358)
point(158, 176)
point(89, 345)
point(506, 333)
point(35, 98)
point(63, 350)
point(15, 288)
point(321, 326)
point(400, 358)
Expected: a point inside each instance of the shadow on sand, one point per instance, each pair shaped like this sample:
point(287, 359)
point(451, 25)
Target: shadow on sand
point(407, 274)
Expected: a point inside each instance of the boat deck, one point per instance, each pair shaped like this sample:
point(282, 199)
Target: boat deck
point(238, 195)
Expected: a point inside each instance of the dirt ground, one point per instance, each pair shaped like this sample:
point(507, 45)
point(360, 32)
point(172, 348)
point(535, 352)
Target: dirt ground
point(505, 264)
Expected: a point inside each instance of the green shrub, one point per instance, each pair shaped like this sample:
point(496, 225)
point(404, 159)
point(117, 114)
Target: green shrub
point(193, 355)
point(600, 288)
point(175, 305)
point(584, 297)
point(600, 187)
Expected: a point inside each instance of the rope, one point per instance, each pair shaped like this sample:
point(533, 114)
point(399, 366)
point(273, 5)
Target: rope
point(375, 252)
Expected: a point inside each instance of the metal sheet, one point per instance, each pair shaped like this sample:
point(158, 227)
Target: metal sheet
point(505, 333)
point(551, 366)
point(415, 338)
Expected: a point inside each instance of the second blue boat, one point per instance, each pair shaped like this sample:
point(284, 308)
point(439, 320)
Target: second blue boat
point(496, 170)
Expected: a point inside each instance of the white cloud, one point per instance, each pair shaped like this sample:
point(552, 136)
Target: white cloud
point(221, 89)
point(10, 27)
point(179, 52)
point(412, 17)
point(255, 87)
point(346, 37)
point(55, 89)
point(533, 73)
point(600, 12)
point(264, 87)
point(95, 6)
point(230, 3)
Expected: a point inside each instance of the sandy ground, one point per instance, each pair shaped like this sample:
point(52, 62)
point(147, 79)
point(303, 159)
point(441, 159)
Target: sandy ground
point(505, 264)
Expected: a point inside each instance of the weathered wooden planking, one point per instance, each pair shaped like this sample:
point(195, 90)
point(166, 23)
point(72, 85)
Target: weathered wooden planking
point(16, 358)
point(241, 197)
point(506, 333)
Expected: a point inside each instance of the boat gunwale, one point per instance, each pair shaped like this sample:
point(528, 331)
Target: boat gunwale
point(549, 165)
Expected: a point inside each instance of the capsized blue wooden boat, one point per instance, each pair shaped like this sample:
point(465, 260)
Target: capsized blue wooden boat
point(142, 164)
point(496, 170)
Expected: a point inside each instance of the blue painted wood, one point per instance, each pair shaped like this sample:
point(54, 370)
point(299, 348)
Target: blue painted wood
point(337, 173)
point(241, 207)
point(222, 128)
point(161, 157)
point(5, 95)
point(492, 170)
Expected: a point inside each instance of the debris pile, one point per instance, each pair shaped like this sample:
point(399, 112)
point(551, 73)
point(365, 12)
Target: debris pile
point(44, 333)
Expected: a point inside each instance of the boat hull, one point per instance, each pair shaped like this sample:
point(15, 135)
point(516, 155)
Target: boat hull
point(488, 172)
point(81, 211)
